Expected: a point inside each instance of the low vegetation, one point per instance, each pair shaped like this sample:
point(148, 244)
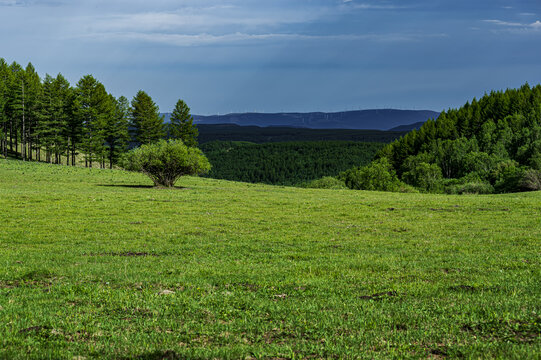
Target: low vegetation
point(100, 264)
point(165, 161)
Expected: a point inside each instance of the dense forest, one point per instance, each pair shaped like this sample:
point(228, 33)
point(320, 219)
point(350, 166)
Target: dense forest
point(50, 120)
point(489, 145)
point(256, 134)
point(287, 163)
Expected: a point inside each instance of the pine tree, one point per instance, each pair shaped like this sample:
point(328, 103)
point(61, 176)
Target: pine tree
point(15, 104)
point(54, 115)
point(4, 71)
point(146, 122)
point(182, 126)
point(94, 108)
point(116, 129)
point(32, 104)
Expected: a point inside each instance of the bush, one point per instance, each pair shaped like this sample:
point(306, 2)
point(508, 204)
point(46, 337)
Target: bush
point(326, 182)
point(426, 177)
point(479, 187)
point(531, 180)
point(165, 161)
point(378, 176)
point(507, 176)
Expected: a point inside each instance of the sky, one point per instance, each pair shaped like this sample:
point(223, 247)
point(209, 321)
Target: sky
point(224, 56)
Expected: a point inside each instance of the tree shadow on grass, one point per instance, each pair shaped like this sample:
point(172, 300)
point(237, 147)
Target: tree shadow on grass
point(144, 187)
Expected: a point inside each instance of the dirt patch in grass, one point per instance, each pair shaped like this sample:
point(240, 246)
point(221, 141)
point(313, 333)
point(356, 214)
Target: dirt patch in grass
point(157, 355)
point(34, 329)
point(493, 209)
point(464, 288)
point(515, 330)
point(126, 254)
point(36, 278)
point(278, 336)
point(380, 296)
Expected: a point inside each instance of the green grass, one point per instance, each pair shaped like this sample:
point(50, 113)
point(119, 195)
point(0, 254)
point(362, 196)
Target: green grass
point(97, 264)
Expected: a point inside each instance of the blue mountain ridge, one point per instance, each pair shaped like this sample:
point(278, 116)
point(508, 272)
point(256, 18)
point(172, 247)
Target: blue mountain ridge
point(375, 119)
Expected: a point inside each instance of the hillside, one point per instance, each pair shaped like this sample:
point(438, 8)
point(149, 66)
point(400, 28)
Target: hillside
point(97, 264)
point(488, 145)
point(377, 119)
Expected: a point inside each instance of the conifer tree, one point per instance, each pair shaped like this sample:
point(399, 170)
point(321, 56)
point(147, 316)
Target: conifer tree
point(116, 129)
point(94, 107)
point(15, 104)
point(54, 115)
point(32, 105)
point(146, 122)
point(182, 126)
point(4, 69)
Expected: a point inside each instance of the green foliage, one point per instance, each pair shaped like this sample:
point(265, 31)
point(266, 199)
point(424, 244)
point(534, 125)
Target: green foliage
point(182, 126)
point(287, 163)
point(531, 180)
point(146, 122)
point(507, 176)
point(116, 129)
point(378, 175)
point(96, 109)
point(474, 187)
point(423, 175)
point(326, 182)
point(497, 138)
point(165, 161)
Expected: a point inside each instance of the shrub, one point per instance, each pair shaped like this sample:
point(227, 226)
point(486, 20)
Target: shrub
point(531, 180)
point(426, 177)
point(378, 176)
point(507, 176)
point(479, 187)
point(326, 182)
point(165, 161)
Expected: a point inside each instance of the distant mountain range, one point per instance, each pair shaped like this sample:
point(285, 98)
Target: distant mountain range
point(377, 119)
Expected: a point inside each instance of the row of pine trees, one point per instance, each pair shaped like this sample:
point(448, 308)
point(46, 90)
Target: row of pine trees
point(50, 120)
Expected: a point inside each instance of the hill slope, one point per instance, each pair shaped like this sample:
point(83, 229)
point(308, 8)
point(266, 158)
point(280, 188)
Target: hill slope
point(97, 264)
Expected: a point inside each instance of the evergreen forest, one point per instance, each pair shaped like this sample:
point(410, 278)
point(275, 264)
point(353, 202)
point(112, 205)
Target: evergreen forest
point(50, 120)
point(491, 145)
point(286, 163)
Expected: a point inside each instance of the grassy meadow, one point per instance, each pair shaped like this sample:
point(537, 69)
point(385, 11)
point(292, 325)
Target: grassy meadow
point(98, 264)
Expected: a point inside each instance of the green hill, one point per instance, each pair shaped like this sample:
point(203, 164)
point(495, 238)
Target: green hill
point(98, 264)
point(489, 145)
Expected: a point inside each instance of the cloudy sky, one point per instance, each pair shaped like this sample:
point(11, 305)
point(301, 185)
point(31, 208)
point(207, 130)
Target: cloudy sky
point(224, 56)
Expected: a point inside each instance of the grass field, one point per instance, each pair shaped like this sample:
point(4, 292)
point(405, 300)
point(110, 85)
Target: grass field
point(97, 264)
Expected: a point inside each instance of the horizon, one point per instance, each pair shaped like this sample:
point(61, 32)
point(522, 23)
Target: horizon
point(234, 56)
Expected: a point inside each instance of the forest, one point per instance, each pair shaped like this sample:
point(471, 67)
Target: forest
point(256, 134)
point(491, 145)
point(50, 120)
point(286, 163)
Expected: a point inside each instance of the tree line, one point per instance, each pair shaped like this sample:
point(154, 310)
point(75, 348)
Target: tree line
point(287, 163)
point(491, 145)
point(48, 119)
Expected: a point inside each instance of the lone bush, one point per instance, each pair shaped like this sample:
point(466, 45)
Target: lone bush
point(326, 182)
point(165, 161)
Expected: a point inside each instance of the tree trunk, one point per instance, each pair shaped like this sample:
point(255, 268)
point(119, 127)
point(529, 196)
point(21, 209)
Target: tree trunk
point(23, 134)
